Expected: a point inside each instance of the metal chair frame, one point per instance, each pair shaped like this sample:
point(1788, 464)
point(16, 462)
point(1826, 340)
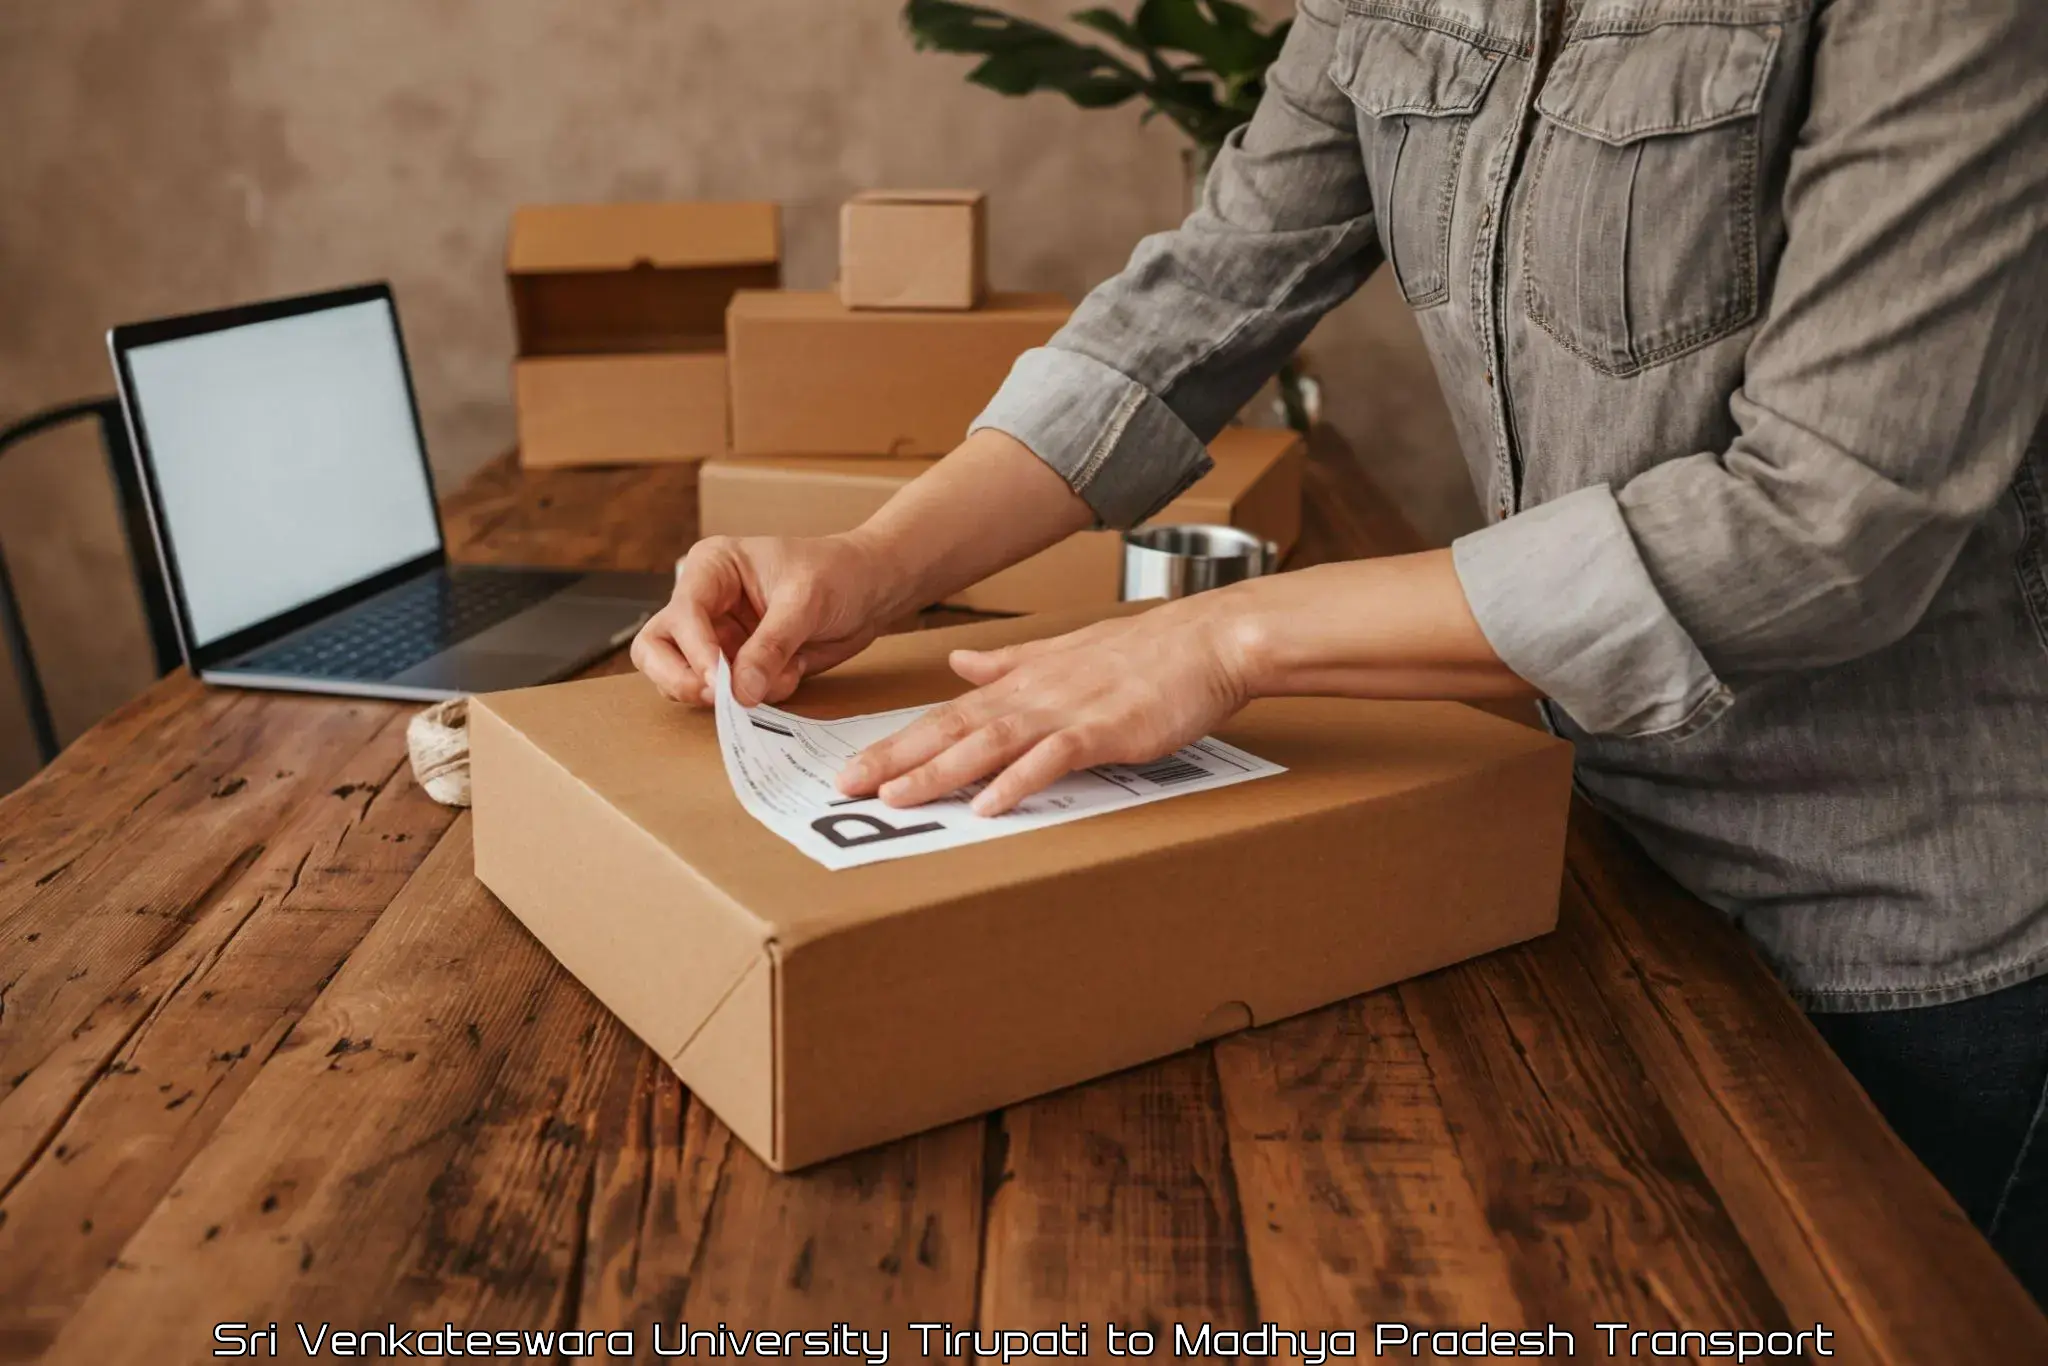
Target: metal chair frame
point(142, 558)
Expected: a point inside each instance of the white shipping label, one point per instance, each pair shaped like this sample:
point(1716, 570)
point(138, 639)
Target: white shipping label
point(783, 769)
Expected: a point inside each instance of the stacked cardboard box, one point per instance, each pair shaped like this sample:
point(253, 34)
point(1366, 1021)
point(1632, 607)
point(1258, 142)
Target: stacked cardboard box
point(1256, 485)
point(841, 397)
point(811, 376)
point(898, 358)
point(658, 332)
point(914, 249)
point(620, 315)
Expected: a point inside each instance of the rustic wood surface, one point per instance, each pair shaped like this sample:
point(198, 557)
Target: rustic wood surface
point(268, 1052)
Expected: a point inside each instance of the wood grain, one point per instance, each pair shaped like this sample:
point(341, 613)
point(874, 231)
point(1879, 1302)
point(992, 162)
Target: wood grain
point(1114, 1202)
point(1358, 1206)
point(637, 518)
point(1851, 1229)
point(447, 1079)
point(687, 1226)
point(235, 990)
point(1581, 1169)
point(95, 941)
point(110, 774)
point(264, 1054)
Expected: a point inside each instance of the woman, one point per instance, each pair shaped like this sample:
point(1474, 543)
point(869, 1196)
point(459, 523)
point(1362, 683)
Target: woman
point(1741, 308)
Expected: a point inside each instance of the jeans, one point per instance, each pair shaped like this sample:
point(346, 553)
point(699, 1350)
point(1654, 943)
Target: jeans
point(1966, 1086)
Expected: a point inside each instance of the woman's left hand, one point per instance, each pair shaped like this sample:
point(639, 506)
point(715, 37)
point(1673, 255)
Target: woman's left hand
point(1121, 691)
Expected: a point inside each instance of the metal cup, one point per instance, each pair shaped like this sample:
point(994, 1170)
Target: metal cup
point(1174, 561)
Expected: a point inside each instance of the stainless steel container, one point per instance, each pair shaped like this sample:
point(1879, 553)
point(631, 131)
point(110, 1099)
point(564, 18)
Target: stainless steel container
point(1174, 561)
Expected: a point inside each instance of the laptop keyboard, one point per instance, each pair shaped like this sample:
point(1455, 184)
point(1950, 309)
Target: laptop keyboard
point(411, 624)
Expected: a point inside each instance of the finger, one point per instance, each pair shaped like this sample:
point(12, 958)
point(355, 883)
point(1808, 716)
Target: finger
point(731, 635)
point(981, 667)
point(984, 752)
point(1045, 763)
point(707, 588)
point(656, 655)
point(784, 683)
point(784, 628)
point(809, 660)
point(928, 736)
point(821, 655)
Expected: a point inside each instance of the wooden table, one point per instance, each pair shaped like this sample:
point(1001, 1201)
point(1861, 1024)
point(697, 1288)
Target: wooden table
point(268, 1052)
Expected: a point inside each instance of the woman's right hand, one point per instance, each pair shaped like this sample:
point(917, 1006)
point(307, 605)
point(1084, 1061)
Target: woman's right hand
point(779, 607)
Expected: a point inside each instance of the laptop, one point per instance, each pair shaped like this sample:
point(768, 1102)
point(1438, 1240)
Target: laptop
point(287, 484)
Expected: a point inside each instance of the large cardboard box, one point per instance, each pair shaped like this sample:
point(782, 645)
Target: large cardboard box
point(913, 249)
point(619, 311)
point(811, 376)
point(1256, 485)
point(817, 1012)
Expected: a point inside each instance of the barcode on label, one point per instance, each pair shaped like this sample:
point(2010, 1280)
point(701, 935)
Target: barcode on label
point(1169, 771)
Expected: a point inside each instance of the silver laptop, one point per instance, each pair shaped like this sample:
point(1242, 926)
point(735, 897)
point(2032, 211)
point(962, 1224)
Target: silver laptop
point(293, 506)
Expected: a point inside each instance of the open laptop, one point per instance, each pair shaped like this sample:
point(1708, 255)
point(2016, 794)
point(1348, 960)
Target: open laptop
point(288, 487)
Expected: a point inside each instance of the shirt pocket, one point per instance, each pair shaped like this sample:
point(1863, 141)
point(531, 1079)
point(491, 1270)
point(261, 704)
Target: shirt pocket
point(1639, 229)
point(1416, 84)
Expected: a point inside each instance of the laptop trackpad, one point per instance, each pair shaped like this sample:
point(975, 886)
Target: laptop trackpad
point(473, 671)
point(563, 623)
point(541, 643)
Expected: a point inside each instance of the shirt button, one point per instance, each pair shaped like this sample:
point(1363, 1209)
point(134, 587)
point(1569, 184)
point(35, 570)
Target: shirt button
point(1489, 379)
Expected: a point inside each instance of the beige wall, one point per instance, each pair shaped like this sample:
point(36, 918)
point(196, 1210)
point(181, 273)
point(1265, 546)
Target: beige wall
point(165, 155)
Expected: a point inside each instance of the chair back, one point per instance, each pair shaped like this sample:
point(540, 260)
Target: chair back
point(143, 564)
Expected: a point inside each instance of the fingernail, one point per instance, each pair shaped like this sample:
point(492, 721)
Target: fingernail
point(753, 683)
point(893, 789)
point(852, 776)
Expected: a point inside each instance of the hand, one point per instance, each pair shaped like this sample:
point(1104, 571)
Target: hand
point(778, 607)
point(1121, 691)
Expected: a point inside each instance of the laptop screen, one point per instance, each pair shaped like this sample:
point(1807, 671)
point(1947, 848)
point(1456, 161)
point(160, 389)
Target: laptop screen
point(286, 459)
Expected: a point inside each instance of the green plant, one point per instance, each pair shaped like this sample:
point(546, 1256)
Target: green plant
point(1200, 63)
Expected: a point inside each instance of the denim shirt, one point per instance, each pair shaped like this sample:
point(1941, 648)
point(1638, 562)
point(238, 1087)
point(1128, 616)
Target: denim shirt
point(1741, 310)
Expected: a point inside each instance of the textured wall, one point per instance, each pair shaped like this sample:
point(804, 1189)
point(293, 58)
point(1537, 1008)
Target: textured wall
point(167, 155)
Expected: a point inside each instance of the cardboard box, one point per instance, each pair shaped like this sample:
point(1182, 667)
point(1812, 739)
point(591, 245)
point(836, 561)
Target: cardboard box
point(617, 410)
point(599, 279)
point(818, 1012)
point(620, 316)
point(811, 376)
point(1256, 485)
point(913, 249)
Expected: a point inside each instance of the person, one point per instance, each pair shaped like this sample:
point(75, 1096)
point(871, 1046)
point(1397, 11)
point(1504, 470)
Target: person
point(1741, 311)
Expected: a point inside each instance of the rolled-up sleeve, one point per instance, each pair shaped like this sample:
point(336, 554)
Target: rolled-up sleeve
point(1124, 399)
point(1889, 395)
point(1565, 600)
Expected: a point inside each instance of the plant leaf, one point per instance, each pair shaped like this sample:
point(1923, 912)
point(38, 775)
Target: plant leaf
point(1019, 56)
point(1206, 97)
point(1223, 35)
point(1115, 25)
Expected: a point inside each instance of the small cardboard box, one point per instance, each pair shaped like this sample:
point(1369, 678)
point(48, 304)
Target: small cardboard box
point(913, 249)
point(818, 1012)
point(811, 376)
point(620, 317)
point(1256, 485)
